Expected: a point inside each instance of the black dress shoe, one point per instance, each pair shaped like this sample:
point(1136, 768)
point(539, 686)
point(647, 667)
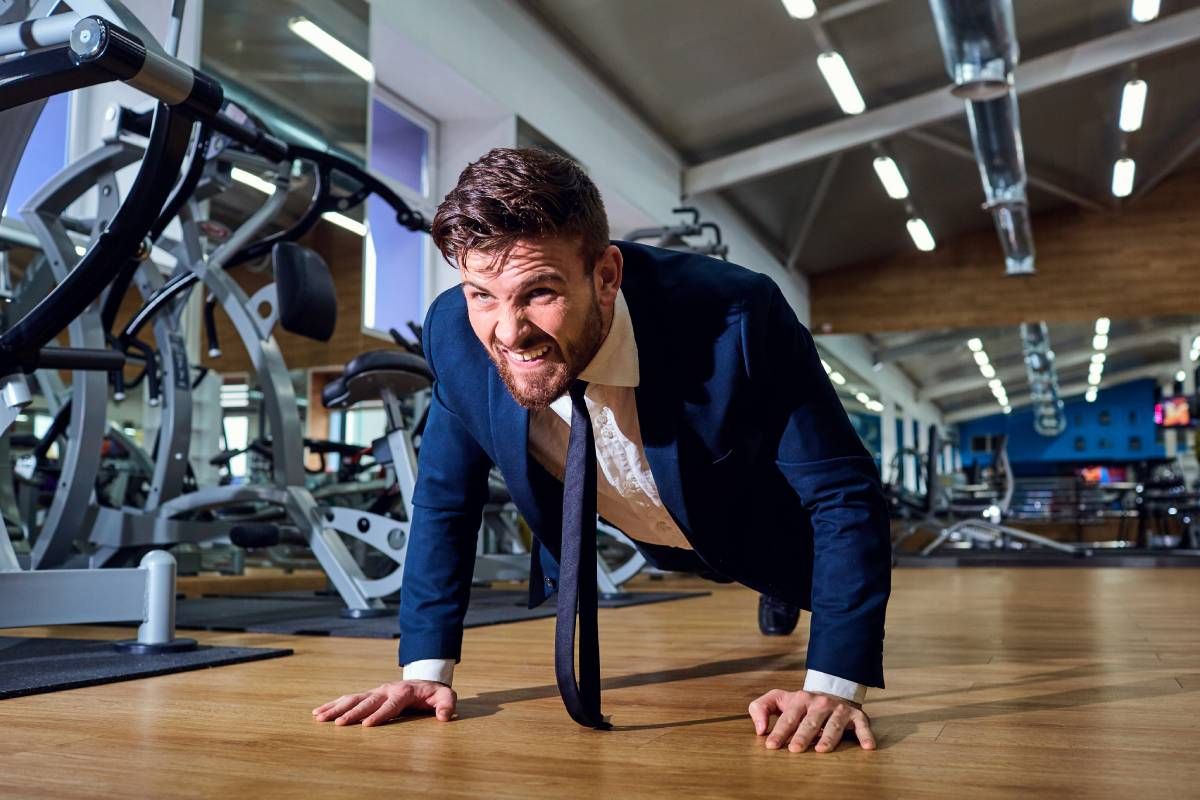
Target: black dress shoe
point(775, 617)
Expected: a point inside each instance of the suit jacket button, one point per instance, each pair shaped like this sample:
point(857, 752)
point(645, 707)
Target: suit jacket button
point(550, 584)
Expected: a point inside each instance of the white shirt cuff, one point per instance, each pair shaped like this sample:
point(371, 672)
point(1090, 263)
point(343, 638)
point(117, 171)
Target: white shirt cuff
point(430, 669)
point(828, 684)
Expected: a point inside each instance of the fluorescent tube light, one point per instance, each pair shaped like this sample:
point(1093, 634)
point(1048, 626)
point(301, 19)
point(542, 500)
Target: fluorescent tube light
point(1122, 179)
point(310, 32)
point(342, 221)
point(841, 82)
point(1144, 10)
point(890, 177)
point(253, 181)
point(1133, 105)
point(801, 9)
point(920, 234)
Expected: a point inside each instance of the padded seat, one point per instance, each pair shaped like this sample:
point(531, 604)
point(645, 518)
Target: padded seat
point(369, 374)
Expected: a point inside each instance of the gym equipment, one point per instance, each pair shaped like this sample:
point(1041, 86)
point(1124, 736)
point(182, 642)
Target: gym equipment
point(674, 237)
point(98, 52)
point(976, 511)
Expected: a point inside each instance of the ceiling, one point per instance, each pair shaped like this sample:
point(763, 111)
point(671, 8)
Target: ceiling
point(716, 78)
point(944, 370)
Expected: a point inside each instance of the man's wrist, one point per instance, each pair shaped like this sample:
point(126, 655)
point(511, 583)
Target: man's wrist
point(438, 670)
point(824, 683)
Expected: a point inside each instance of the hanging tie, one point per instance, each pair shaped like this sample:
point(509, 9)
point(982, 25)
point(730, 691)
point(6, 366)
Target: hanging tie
point(577, 592)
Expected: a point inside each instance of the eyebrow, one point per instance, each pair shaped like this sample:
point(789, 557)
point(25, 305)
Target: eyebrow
point(541, 277)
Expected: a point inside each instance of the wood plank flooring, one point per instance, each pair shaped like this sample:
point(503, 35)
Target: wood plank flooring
point(1001, 683)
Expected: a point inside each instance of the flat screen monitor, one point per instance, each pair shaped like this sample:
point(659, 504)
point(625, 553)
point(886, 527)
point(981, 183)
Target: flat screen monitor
point(1173, 412)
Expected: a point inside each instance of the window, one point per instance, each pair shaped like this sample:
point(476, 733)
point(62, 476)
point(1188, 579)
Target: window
point(237, 437)
point(44, 156)
point(396, 261)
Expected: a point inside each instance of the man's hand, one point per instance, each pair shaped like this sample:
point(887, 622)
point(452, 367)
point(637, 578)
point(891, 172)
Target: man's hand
point(802, 715)
point(388, 702)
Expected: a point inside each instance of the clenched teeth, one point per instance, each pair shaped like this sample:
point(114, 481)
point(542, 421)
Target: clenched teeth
point(532, 355)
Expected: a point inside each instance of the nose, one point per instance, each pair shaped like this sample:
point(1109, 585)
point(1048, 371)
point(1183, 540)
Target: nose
point(511, 328)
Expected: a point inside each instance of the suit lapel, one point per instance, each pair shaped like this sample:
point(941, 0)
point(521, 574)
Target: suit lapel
point(658, 401)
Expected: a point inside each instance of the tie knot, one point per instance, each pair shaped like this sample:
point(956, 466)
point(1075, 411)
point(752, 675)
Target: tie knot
point(577, 390)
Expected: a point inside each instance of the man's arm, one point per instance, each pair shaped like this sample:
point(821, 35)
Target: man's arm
point(448, 505)
point(825, 463)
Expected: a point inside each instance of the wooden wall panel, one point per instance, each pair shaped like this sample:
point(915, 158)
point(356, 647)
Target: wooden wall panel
point(1143, 261)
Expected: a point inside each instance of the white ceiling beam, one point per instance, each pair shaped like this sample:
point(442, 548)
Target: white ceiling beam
point(1159, 370)
point(1140, 41)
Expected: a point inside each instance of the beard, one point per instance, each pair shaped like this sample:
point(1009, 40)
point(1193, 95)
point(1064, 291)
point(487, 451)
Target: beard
point(539, 389)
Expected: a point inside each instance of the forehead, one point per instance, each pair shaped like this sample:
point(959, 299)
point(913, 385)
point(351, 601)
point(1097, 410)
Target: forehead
point(526, 260)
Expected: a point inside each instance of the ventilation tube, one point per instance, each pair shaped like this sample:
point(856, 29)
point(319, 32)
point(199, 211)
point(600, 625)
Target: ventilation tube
point(1048, 416)
point(979, 42)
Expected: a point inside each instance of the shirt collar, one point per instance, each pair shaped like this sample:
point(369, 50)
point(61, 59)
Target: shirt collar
point(616, 362)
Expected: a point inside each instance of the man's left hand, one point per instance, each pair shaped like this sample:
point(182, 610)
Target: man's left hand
point(805, 717)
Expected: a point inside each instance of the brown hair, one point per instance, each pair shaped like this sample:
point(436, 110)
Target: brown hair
point(513, 194)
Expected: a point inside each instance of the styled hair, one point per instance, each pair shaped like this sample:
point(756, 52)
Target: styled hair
point(520, 194)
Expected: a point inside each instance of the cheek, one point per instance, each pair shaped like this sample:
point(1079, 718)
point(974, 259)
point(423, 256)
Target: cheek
point(550, 320)
point(481, 324)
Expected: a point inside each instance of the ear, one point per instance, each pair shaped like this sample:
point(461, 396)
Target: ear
point(607, 275)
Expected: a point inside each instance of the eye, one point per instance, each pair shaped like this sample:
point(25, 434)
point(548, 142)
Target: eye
point(542, 293)
point(480, 297)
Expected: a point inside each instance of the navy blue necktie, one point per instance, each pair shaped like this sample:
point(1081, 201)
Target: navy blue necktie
point(577, 592)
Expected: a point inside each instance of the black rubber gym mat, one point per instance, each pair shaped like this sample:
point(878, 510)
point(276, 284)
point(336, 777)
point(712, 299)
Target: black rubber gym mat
point(33, 665)
point(308, 614)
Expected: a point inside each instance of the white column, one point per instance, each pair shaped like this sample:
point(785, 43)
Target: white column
point(908, 443)
point(887, 439)
point(922, 447)
point(1170, 439)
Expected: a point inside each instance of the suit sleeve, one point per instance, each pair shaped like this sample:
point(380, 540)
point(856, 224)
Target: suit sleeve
point(825, 462)
point(447, 508)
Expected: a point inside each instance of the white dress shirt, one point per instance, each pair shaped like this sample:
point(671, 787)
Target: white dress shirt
point(626, 494)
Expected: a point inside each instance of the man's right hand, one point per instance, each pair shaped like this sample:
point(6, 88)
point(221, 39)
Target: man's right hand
point(388, 702)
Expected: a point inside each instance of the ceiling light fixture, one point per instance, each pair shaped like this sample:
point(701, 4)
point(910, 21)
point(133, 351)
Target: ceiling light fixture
point(801, 9)
point(1122, 177)
point(253, 181)
point(841, 82)
point(1144, 10)
point(342, 221)
point(1133, 105)
point(920, 234)
point(890, 177)
point(310, 32)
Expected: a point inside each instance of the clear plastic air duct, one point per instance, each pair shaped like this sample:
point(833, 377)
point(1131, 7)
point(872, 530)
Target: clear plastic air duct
point(1048, 416)
point(979, 42)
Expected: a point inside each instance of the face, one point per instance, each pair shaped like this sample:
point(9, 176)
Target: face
point(540, 317)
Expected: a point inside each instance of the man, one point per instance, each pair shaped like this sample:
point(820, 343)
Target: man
point(721, 445)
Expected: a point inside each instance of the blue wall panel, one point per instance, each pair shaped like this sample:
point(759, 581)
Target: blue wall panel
point(1118, 427)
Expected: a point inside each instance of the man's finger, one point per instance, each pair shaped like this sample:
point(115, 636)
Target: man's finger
point(808, 728)
point(362, 710)
point(862, 731)
point(335, 708)
point(785, 726)
point(834, 728)
point(390, 709)
point(444, 702)
point(762, 709)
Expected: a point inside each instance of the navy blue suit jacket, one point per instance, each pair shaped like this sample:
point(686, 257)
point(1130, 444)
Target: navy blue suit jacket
point(750, 447)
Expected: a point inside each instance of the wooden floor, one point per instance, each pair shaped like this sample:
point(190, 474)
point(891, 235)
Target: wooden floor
point(1001, 683)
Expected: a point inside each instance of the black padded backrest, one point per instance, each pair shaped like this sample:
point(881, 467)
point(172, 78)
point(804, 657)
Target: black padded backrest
point(307, 298)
